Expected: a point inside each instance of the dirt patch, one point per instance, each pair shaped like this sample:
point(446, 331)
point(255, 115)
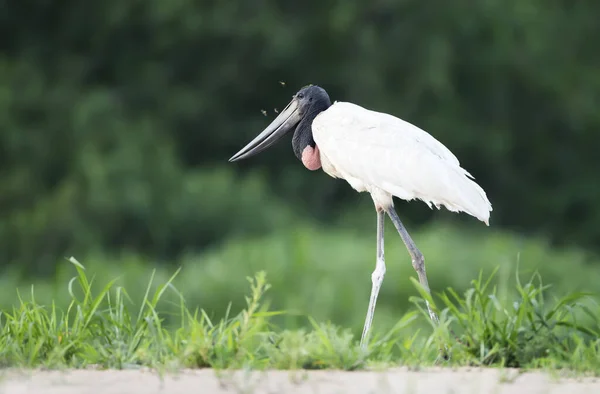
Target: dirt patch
point(436, 380)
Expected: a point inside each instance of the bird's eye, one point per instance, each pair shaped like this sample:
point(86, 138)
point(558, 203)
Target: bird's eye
point(300, 96)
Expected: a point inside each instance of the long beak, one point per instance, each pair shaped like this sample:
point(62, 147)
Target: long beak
point(285, 122)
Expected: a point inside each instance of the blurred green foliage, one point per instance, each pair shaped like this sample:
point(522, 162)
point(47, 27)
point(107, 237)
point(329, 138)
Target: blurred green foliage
point(117, 118)
point(326, 275)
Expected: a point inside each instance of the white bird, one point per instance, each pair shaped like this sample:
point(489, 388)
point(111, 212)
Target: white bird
point(380, 154)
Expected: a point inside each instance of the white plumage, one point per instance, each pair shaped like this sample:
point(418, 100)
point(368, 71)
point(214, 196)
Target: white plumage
point(384, 155)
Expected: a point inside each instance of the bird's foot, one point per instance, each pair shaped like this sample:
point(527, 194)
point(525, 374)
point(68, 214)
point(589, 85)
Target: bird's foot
point(444, 355)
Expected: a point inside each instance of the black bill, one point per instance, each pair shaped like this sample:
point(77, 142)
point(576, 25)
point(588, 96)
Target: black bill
point(285, 122)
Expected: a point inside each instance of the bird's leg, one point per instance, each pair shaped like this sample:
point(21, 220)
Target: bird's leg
point(418, 261)
point(376, 277)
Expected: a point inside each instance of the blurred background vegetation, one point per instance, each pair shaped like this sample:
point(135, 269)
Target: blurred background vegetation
point(117, 119)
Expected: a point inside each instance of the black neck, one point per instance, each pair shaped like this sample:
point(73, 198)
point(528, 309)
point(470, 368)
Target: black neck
point(303, 135)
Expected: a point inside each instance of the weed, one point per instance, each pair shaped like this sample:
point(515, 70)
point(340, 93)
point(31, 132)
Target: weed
point(100, 328)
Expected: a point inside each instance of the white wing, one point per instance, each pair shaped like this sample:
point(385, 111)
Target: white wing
point(376, 150)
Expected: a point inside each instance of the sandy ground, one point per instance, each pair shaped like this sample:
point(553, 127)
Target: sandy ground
point(438, 381)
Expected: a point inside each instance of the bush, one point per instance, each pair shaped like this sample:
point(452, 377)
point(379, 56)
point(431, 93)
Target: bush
point(108, 113)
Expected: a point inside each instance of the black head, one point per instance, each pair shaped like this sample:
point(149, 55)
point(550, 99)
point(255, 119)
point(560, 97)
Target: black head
point(312, 98)
point(298, 116)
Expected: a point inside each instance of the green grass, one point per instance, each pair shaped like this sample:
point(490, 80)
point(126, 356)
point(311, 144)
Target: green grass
point(101, 326)
point(202, 312)
point(325, 273)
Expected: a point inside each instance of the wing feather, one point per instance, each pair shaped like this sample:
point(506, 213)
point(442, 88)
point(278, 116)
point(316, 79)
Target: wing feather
point(377, 150)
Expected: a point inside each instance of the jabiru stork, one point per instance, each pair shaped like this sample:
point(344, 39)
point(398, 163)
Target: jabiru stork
point(380, 154)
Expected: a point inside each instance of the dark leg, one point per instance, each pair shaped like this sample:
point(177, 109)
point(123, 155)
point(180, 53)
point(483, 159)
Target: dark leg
point(418, 260)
